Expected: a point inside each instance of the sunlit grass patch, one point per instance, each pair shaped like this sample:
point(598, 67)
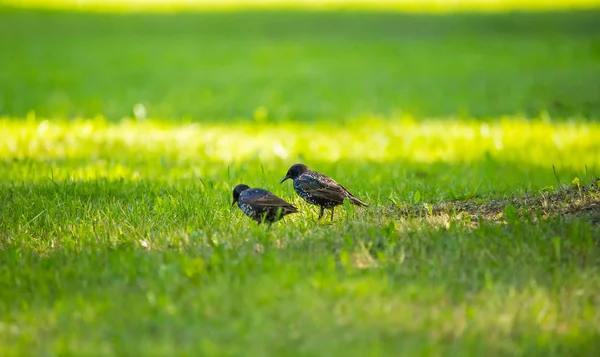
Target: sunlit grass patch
point(90, 147)
point(402, 5)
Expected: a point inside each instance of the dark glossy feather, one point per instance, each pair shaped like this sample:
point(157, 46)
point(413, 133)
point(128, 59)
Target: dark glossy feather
point(260, 197)
point(324, 188)
point(260, 204)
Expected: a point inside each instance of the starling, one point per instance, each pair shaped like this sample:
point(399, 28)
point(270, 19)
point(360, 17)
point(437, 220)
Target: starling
point(318, 189)
point(260, 204)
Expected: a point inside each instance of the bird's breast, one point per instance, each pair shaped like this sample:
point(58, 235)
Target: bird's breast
point(247, 209)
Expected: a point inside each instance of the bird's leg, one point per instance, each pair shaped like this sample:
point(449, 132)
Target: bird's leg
point(321, 211)
point(332, 214)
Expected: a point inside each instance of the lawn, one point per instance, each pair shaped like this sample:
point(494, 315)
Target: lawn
point(473, 136)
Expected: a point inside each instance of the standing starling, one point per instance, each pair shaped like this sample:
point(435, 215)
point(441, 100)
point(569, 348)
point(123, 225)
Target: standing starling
point(318, 189)
point(260, 204)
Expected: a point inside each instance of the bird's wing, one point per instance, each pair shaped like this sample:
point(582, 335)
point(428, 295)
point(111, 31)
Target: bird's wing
point(319, 185)
point(264, 198)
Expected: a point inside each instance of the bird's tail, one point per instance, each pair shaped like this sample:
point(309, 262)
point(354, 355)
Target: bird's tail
point(357, 202)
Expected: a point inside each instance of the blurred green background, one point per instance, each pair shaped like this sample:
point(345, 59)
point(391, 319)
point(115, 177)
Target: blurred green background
point(302, 65)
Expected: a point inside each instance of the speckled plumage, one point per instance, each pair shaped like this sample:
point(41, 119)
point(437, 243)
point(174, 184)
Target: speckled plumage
point(319, 189)
point(260, 204)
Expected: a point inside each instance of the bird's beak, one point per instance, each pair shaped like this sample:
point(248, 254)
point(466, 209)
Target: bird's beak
point(285, 178)
point(232, 203)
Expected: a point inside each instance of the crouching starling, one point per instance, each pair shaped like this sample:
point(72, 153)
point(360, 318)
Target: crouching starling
point(318, 189)
point(260, 204)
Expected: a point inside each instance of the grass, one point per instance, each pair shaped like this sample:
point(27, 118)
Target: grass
point(123, 136)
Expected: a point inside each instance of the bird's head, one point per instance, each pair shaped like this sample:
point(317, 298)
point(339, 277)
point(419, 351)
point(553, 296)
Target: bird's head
point(237, 191)
point(295, 171)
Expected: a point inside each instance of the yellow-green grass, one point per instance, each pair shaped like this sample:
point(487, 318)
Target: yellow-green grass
point(95, 144)
point(394, 5)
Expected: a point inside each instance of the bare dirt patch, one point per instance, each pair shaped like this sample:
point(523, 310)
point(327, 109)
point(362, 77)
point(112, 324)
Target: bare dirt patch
point(573, 201)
